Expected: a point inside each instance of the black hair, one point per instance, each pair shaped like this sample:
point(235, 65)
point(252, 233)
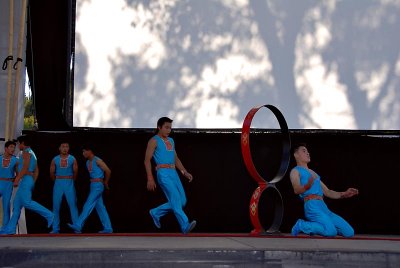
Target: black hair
point(87, 147)
point(8, 143)
point(162, 121)
point(64, 141)
point(24, 139)
point(296, 147)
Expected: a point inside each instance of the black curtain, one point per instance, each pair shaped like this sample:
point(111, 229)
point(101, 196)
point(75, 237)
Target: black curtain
point(49, 49)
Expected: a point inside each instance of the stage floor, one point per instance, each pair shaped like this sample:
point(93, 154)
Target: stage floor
point(197, 250)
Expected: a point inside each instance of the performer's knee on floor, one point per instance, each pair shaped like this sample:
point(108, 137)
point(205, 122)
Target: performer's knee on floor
point(348, 232)
point(330, 231)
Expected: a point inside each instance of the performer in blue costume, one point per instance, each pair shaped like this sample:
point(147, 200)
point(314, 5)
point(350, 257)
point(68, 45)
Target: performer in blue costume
point(162, 149)
point(63, 171)
point(99, 179)
point(8, 170)
point(319, 219)
point(25, 180)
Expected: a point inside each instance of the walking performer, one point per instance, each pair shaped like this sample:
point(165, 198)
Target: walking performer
point(308, 185)
point(8, 170)
point(162, 148)
point(63, 171)
point(99, 178)
point(26, 177)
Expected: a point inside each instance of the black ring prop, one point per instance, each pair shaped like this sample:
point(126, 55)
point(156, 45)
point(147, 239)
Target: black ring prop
point(262, 183)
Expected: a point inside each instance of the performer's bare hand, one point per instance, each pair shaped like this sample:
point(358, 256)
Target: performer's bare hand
point(16, 182)
point(151, 185)
point(106, 186)
point(350, 192)
point(309, 183)
point(188, 176)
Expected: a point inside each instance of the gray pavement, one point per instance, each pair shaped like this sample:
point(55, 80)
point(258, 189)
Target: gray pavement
point(197, 251)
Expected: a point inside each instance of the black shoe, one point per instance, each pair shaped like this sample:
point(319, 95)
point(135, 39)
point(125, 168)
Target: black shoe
point(190, 227)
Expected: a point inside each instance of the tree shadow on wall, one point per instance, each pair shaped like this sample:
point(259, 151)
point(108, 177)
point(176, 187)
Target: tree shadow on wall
point(212, 67)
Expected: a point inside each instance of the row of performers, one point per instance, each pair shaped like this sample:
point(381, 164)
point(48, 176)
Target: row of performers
point(63, 170)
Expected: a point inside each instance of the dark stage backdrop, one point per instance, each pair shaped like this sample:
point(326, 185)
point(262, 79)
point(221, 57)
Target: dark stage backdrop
point(219, 196)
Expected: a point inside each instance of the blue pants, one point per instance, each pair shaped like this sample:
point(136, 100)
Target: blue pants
point(64, 187)
point(23, 198)
point(172, 187)
point(322, 221)
point(6, 188)
point(95, 200)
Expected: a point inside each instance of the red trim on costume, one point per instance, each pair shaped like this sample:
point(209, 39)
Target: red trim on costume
point(6, 162)
point(63, 162)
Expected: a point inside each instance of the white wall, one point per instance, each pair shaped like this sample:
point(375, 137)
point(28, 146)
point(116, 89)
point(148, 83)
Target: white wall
point(324, 64)
point(4, 74)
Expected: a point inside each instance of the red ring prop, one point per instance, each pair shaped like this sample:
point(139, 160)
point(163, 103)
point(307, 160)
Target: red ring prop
point(262, 183)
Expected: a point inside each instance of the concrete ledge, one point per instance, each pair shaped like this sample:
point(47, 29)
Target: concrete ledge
point(122, 251)
point(194, 258)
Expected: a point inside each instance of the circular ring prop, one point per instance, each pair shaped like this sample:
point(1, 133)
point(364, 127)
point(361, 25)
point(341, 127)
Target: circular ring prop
point(278, 210)
point(262, 183)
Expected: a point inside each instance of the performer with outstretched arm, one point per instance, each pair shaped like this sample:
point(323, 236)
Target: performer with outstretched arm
point(161, 147)
point(63, 171)
point(308, 185)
